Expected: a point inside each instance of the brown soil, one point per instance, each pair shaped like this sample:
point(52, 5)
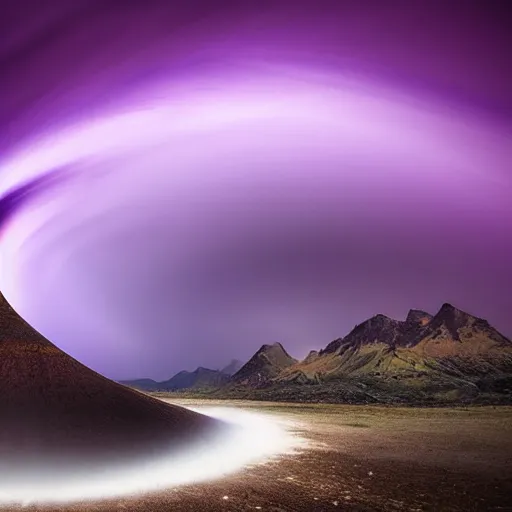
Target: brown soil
point(372, 459)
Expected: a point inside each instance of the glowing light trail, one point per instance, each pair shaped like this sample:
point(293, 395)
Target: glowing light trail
point(260, 438)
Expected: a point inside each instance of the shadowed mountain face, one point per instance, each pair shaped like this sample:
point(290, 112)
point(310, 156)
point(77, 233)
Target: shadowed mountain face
point(266, 364)
point(55, 410)
point(416, 316)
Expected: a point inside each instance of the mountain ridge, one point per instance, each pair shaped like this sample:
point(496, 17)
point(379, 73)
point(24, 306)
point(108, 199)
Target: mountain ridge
point(451, 356)
point(200, 378)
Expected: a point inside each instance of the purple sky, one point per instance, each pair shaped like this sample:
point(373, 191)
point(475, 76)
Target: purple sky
point(182, 182)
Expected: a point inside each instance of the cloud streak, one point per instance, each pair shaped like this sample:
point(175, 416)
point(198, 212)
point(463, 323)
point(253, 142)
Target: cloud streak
point(228, 185)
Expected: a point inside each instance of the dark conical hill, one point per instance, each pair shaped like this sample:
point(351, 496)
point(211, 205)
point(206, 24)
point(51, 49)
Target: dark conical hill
point(56, 410)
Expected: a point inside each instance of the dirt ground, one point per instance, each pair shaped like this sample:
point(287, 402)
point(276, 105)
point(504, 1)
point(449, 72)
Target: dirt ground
point(361, 458)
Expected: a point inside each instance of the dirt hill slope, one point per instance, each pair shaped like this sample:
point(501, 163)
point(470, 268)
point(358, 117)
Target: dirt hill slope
point(55, 410)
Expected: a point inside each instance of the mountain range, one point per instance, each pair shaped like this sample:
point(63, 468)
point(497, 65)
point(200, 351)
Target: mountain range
point(200, 379)
point(448, 357)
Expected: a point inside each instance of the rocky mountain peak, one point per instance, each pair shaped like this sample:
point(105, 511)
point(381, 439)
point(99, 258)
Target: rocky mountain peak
point(276, 344)
point(313, 354)
point(332, 347)
point(378, 328)
point(453, 319)
point(233, 366)
point(451, 310)
point(417, 316)
point(202, 369)
point(266, 363)
point(273, 350)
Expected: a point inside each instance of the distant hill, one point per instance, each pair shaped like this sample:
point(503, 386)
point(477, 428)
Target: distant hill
point(233, 366)
point(200, 379)
point(141, 384)
point(449, 357)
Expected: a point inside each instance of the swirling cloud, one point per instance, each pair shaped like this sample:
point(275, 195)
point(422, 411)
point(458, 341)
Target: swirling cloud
point(239, 191)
